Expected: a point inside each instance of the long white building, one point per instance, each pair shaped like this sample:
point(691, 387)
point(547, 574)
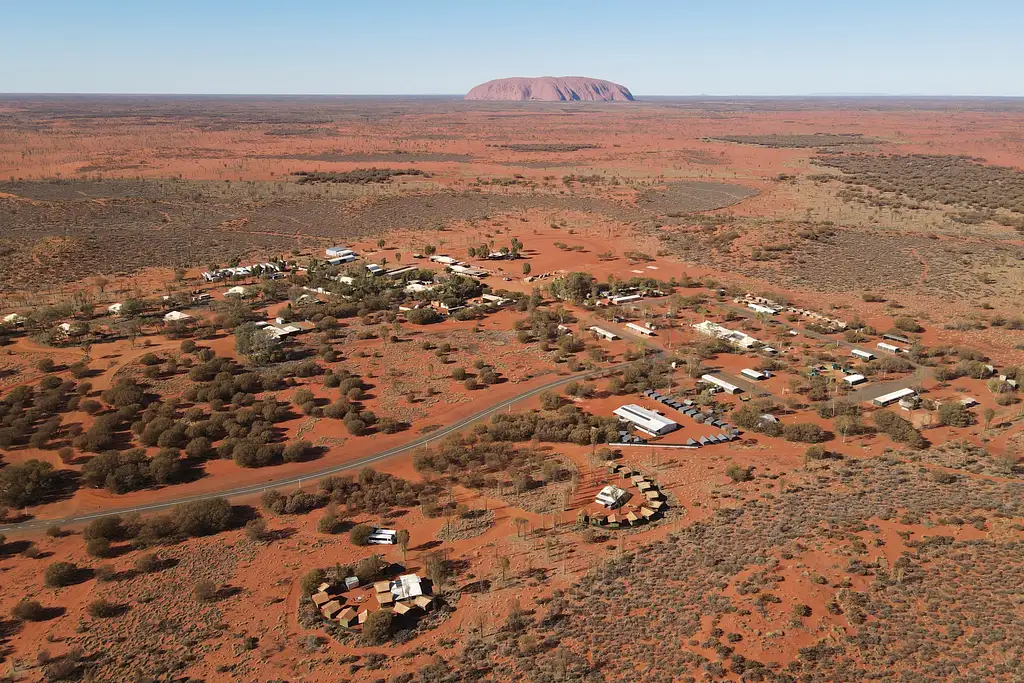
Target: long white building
point(727, 387)
point(736, 338)
point(646, 420)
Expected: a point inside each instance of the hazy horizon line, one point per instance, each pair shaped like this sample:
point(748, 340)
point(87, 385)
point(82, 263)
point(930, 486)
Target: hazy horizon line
point(462, 95)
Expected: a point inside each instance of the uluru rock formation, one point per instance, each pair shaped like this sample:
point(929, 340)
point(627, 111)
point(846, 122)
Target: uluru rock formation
point(551, 89)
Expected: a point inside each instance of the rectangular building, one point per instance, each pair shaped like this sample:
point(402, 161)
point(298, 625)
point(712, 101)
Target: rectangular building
point(646, 420)
point(753, 374)
point(721, 384)
point(601, 332)
point(855, 379)
point(625, 299)
point(897, 338)
point(863, 355)
point(640, 329)
point(737, 339)
point(893, 397)
point(759, 308)
point(890, 348)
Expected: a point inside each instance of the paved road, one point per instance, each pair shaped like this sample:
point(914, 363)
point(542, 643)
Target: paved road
point(251, 489)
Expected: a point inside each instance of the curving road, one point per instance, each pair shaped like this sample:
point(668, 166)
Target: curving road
point(251, 489)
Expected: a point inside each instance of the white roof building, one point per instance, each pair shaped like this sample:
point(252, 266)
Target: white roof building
point(374, 269)
point(646, 420)
point(601, 332)
point(641, 329)
point(889, 399)
point(237, 290)
point(728, 387)
point(891, 348)
point(866, 355)
point(759, 308)
point(177, 316)
point(753, 374)
point(855, 379)
point(611, 496)
point(13, 319)
point(332, 252)
point(734, 337)
point(114, 309)
point(406, 586)
point(625, 299)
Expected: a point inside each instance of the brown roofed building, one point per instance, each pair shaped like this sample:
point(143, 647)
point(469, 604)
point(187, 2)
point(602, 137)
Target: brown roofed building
point(320, 599)
point(423, 602)
point(331, 609)
point(382, 586)
point(402, 608)
point(385, 599)
point(347, 617)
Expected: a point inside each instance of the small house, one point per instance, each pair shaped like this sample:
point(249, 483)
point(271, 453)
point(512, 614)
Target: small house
point(348, 617)
point(611, 497)
point(320, 599)
point(331, 609)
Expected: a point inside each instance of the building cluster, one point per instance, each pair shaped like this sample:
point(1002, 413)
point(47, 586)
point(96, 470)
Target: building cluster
point(760, 304)
point(255, 270)
point(405, 595)
point(455, 266)
point(615, 510)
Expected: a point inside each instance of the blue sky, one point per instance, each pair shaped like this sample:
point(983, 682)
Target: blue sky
point(768, 47)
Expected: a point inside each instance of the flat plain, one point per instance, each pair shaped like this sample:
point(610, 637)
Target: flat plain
point(176, 483)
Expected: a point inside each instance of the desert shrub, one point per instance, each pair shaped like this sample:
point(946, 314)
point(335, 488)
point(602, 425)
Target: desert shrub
point(202, 517)
point(28, 610)
point(378, 627)
point(898, 429)
point(103, 609)
point(118, 472)
point(205, 591)
point(99, 547)
point(360, 534)
point(738, 473)
point(311, 580)
point(907, 324)
point(814, 452)
point(954, 414)
point(147, 563)
point(30, 483)
point(110, 527)
point(126, 392)
point(370, 569)
point(423, 316)
point(297, 451)
point(355, 426)
point(804, 432)
point(60, 574)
